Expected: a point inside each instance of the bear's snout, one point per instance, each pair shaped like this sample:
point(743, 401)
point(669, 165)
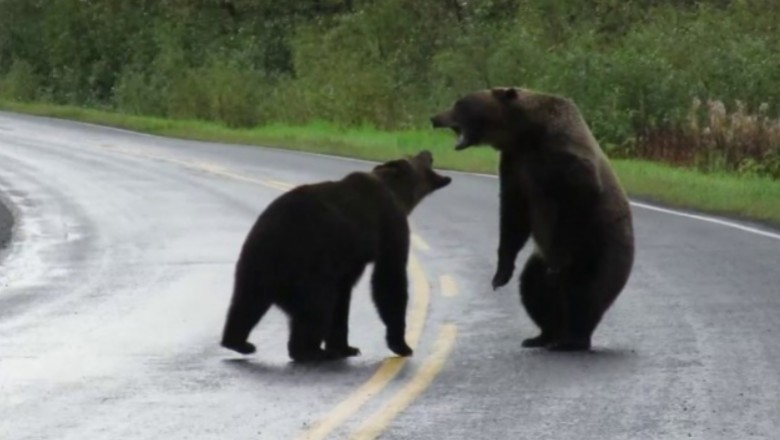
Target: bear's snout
point(442, 120)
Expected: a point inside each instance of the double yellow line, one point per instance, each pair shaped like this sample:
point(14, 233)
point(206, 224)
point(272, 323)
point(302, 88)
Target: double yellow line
point(381, 418)
point(377, 422)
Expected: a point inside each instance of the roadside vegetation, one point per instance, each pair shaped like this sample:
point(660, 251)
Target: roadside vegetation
point(683, 95)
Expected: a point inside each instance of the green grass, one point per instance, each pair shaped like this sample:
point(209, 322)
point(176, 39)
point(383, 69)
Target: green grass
point(737, 196)
point(750, 198)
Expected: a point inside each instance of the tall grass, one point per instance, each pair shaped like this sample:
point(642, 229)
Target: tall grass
point(716, 139)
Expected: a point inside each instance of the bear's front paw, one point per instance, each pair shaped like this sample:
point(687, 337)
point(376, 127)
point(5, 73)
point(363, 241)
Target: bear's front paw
point(399, 347)
point(501, 277)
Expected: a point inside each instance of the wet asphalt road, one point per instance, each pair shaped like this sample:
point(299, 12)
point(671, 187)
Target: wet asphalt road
point(114, 288)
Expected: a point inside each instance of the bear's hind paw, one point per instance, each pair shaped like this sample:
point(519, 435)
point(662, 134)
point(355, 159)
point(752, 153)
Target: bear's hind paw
point(241, 347)
point(538, 341)
point(401, 349)
point(349, 351)
point(343, 352)
point(317, 355)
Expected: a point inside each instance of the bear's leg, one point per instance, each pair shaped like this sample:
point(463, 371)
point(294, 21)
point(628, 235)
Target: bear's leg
point(584, 316)
point(593, 288)
point(310, 313)
point(389, 290)
point(542, 301)
point(246, 309)
point(306, 340)
point(583, 309)
point(337, 341)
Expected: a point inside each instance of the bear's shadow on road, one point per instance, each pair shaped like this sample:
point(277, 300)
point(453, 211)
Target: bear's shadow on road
point(606, 355)
point(599, 359)
point(299, 373)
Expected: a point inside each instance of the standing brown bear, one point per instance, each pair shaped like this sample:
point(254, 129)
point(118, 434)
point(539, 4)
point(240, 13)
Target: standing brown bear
point(310, 246)
point(557, 186)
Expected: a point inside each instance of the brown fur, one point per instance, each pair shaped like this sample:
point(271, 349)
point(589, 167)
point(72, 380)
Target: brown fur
point(558, 187)
point(310, 246)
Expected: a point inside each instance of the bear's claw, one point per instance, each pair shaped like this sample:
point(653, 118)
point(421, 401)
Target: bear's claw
point(501, 278)
point(401, 348)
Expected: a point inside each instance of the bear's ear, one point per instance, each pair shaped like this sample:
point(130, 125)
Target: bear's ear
point(505, 94)
point(426, 157)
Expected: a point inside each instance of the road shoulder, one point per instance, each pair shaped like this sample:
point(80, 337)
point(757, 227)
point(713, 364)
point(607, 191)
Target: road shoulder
point(6, 224)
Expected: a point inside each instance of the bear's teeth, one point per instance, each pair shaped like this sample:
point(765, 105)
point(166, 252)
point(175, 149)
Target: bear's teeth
point(461, 140)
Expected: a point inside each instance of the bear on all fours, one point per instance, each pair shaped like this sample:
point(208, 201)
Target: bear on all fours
point(557, 186)
point(309, 247)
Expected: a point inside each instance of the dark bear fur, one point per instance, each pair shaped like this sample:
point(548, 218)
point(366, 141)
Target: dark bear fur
point(310, 246)
point(557, 186)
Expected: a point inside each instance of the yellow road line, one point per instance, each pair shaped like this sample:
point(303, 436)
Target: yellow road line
point(275, 186)
point(421, 298)
point(209, 168)
point(449, 287)
point(389, 368)
point(419, 243)
point(381, 419)
point(280, 184)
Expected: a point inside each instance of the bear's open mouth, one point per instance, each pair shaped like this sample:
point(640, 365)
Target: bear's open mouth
point(463, 140)
point(462, 143)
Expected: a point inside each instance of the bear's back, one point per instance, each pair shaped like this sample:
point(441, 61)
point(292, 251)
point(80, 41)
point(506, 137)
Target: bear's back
point(338, 220)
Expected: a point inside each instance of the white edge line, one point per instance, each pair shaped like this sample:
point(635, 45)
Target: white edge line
point(650, 207)
point(352, 159)
point(708, 220)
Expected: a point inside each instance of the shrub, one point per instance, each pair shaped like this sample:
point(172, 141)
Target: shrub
point(20, 83)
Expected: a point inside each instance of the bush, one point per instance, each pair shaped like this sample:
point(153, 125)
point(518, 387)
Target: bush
point(20, 83)
point(139, 93)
